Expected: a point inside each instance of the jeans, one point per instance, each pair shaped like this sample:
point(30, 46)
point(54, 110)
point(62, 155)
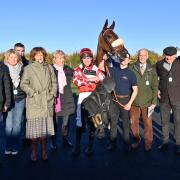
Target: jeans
point(13, 126)
point(165, 120)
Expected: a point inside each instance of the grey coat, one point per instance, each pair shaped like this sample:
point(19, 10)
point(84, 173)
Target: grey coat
point(40, 84)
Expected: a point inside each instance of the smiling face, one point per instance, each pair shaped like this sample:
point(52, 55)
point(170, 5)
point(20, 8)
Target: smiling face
point(87, 60)
point(59, 59)
point(12, 59)
point(143, 56)
point(39, 57)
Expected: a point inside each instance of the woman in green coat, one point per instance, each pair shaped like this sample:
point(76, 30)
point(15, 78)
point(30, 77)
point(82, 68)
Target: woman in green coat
point(39, 83)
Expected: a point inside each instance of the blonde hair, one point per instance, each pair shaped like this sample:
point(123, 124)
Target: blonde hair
point(60, 52)
point(8, 53)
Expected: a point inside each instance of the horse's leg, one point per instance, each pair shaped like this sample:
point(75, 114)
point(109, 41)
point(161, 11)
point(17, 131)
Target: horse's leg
point(89, 150)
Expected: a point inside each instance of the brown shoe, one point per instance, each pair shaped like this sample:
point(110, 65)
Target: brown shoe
point(136, 143)
point(148, 148)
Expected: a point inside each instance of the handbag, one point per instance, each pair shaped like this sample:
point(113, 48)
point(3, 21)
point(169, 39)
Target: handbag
point(57, 104)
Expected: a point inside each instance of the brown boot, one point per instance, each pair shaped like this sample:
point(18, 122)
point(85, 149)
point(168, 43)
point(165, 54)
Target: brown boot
point(136, 143)
point(148, 146)
point(43, 146)
point(34, 150)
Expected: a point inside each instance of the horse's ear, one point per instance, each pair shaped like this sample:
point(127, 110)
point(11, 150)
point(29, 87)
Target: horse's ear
point(106, 24)
point(112, 25)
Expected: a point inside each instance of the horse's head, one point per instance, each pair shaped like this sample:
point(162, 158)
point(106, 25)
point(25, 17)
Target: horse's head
point(110, 43)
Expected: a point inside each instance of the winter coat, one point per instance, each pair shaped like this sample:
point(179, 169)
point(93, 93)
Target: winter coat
point(67, 100)
point(147, 85)
point(40, 84)
point(20, 93)
point(81, 75)
point(5, 89)
point(169, 89)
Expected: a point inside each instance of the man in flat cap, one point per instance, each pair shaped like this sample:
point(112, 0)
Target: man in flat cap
point(168, 71)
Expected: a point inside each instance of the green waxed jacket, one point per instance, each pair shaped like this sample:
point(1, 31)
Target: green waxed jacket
point(40, 84)
point(147, 85)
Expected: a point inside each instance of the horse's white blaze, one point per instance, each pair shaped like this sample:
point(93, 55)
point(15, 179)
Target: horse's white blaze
point(117, 42)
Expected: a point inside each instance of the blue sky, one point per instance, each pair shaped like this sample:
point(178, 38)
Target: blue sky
point(72, 25)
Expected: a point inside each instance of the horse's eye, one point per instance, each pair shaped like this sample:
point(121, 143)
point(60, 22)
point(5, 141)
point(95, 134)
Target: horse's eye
point(108, 37)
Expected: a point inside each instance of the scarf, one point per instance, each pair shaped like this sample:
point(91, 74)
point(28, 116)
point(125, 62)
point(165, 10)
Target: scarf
point(61, 78)
point(14, 72)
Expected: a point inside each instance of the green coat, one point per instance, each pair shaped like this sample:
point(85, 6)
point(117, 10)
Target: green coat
point(40, 84)
point(147, 85)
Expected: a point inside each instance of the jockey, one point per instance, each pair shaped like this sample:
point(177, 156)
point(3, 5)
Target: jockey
point(86, 77)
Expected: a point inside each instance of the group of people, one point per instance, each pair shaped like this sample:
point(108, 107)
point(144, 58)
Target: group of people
point(40, 95)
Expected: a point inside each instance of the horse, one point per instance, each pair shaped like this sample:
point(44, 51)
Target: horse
point(101, 110)
point(98, 103)
point(109, 43)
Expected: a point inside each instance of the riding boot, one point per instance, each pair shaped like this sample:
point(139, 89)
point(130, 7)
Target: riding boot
point(112, 145)
point(33, 150)
point(43, 146)
point(89, 150)
point(76, 151)
point(66, 142)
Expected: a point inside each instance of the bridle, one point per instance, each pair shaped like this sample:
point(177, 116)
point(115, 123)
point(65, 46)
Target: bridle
point(113, 51)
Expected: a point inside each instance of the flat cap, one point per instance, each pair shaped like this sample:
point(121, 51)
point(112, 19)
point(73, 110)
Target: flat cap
point(170, 51)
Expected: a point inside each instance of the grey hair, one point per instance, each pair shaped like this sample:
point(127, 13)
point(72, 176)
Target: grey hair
point(143, 49)
point(59, 52)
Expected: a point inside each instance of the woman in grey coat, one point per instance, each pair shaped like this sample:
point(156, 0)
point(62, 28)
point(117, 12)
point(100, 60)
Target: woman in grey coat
point(40, 85)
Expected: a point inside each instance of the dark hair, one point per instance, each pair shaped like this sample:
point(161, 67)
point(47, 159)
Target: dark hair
point(19, 45)
point(35, 50)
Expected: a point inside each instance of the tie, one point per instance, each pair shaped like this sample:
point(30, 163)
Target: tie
point(142, 69)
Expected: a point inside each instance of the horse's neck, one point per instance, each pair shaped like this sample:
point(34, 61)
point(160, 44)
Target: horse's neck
point(100, 54)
